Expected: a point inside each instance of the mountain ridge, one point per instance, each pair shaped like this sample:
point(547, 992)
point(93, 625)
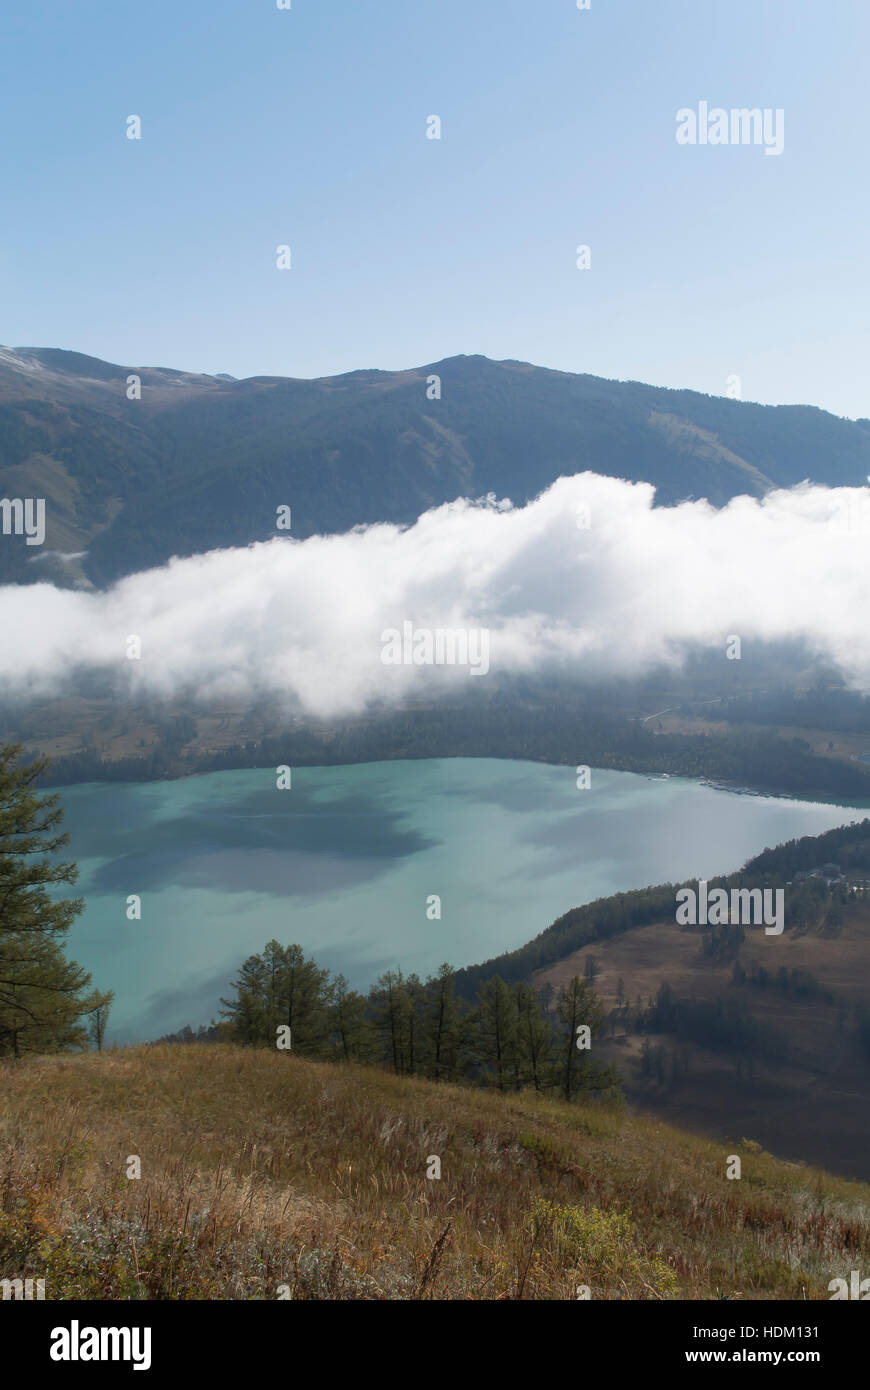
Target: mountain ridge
point(195, 462)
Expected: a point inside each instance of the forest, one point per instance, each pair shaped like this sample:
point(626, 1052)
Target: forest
point(508, 1038)
point(577, 732)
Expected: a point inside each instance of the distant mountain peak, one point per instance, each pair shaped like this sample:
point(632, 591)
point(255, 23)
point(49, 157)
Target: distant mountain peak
point(188, 466)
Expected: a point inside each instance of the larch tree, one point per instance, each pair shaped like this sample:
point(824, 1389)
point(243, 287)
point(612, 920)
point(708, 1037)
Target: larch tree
point(43, 998)
point(388, 1001)
point(497, 1021)
point(251, 1014)
point(580, 1008)
point(534, 1036)
point(443, 1023)
point(351, 1032)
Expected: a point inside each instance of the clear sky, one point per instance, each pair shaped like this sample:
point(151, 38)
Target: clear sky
point(307, 127)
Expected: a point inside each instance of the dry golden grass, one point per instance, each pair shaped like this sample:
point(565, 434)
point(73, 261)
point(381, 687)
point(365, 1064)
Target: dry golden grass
point(262, 1170)
point(810, 1095)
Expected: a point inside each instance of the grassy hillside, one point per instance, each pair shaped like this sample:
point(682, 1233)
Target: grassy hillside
point(199, 462)
point(261, 1170)
point(740, 1031)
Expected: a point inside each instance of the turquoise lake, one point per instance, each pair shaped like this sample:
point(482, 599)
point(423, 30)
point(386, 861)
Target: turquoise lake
point(344, 861)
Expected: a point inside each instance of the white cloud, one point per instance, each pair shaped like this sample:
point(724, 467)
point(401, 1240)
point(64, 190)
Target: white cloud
point(305, 618)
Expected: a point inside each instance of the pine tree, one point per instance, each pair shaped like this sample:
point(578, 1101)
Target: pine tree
point(442, 1024)
point(251, 1013)
point(349, 1028)
point(579, 1006)
point(98, 1018)
point(271, 963)
point(41, 993)
point(534, 1036)
point(303, 997)
point(497, 1025)
point(416, 996)
point(389, 1003)
point(281, 988)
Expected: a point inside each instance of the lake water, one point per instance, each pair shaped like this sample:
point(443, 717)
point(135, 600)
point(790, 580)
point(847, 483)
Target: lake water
point(343, 864)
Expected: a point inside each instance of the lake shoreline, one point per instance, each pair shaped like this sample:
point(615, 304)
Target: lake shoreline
point(347, 859)
point(716, 784)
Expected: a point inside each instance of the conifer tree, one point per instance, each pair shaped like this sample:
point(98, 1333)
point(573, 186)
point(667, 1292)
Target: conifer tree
point(389, 1003)
point(42, 999)
point(579, 1006)
point(281, 988)
point(415, 992)
point(497, 1022)
point(98, 1018)
point(350, 1031)
point(303, 997)
point(534, 1037)
point(250, 1014)
point(442, 1024)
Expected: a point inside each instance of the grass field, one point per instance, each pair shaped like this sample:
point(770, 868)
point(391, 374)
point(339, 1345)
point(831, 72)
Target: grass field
point(264, 1176)
point(807, 1099)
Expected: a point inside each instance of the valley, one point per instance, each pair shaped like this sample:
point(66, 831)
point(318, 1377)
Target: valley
point(802, 1090)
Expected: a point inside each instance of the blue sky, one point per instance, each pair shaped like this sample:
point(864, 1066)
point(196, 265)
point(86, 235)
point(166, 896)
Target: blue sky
point(307, 127)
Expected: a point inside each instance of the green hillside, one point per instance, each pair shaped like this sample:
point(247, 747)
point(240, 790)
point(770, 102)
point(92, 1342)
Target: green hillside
point(200, 462)
point(267, 1176)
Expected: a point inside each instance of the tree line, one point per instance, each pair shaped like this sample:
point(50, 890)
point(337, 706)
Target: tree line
point(549, 727)
point(509, 1038)
point(846, 845)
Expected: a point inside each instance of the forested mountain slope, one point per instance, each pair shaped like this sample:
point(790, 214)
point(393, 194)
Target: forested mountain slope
point(199, 461)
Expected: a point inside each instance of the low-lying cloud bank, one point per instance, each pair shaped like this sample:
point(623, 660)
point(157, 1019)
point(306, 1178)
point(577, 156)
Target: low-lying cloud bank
point(588, 578)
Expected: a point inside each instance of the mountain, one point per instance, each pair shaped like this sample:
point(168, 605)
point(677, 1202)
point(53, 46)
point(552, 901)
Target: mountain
point(200, 461)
